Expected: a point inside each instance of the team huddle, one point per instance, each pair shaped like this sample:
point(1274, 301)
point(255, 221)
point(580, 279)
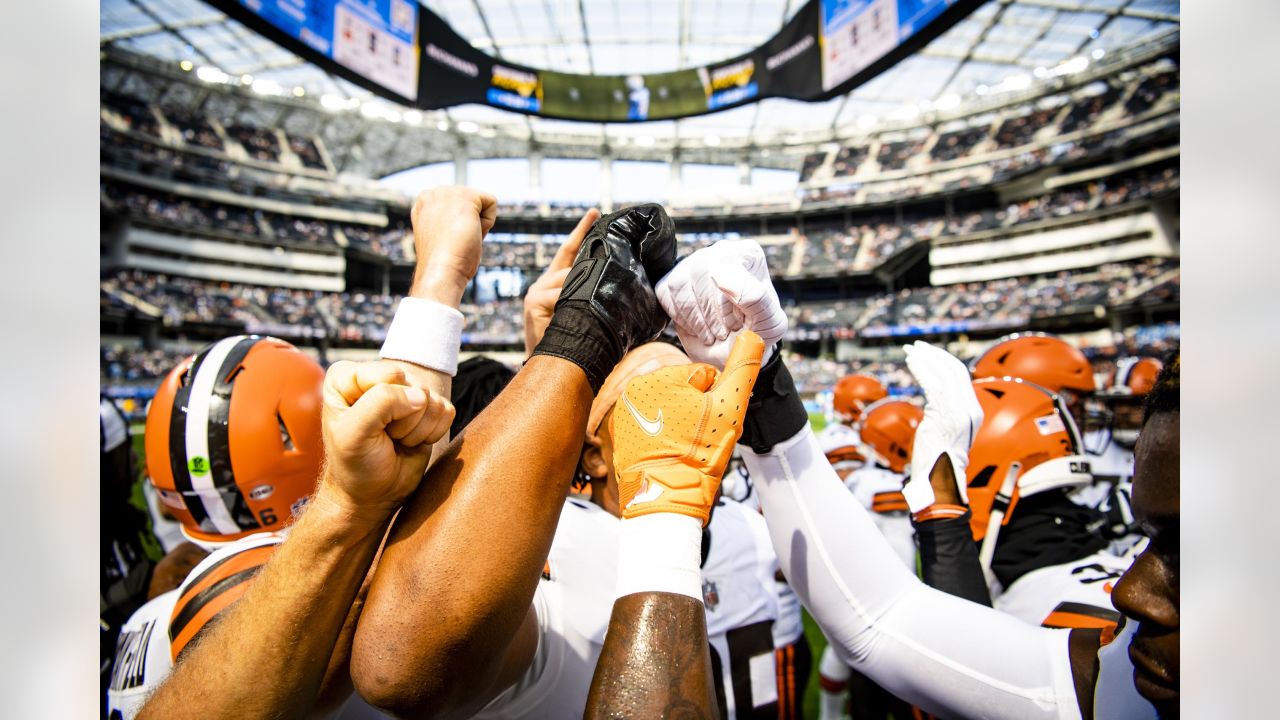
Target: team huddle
point(627, 527)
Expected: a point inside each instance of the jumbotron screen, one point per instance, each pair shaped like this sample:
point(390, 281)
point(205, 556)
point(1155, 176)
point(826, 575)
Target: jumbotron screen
point(411, 55)
point(375, 39)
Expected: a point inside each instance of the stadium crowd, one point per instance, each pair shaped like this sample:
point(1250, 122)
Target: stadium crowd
point(619, 563)
point(1072, 114)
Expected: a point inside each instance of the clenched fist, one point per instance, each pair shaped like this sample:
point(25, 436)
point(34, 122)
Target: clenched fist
point(449, 224)
point(378, 433)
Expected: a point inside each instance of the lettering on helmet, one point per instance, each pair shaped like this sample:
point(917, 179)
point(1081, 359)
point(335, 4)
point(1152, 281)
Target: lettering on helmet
point(1080, 466)
point(262, 492)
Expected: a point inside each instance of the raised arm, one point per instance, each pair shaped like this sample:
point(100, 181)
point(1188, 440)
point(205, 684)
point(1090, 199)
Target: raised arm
point(447, 623)
point(947, 655)
point(378, 434)
point(940, 515)
point(656, 661)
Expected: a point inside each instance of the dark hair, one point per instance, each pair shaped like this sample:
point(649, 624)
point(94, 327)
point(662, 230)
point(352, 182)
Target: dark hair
point(478, 382)
point(1164, 397)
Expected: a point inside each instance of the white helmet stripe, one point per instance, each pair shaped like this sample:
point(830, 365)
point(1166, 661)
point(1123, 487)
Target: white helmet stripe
point(198, 434)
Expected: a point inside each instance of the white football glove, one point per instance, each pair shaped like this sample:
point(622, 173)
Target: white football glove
point(717, 292)
point(952, 417)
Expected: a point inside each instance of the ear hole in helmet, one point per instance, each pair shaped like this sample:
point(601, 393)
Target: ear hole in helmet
point(285, 437)
point(983, 478)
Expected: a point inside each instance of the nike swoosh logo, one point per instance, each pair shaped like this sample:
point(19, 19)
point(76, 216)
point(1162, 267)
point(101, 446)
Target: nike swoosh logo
point(648, 493)
point(650, 427)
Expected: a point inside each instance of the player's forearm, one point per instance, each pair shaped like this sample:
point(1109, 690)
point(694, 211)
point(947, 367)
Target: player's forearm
point(463, 560)
point(284, 628)
point(949, 656)
point(655, 662)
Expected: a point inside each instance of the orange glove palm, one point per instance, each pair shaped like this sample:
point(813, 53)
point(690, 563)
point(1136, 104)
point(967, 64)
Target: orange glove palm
point(674, 430)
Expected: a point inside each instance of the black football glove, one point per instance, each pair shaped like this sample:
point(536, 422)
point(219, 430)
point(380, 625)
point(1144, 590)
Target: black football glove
point(607, 305)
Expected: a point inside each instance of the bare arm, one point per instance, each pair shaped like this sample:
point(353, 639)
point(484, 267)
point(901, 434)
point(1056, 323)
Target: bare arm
point(287, 624)
point(473, 540)
point(448, 622)
point(655, 661)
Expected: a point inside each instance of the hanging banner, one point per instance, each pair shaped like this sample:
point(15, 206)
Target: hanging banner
point(408, 54)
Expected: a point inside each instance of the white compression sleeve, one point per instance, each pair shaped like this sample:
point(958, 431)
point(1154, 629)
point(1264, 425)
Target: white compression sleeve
point(951, 657)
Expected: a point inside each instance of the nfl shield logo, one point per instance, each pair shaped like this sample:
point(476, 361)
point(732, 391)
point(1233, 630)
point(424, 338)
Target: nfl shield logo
point(710, 597)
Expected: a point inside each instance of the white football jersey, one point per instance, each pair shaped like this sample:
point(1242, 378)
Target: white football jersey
point(1115, 461)
point(1115, 697)
point(574, 601)
point(1074, 594)
point(738, 589)
point(142, 657)
point(875, 487)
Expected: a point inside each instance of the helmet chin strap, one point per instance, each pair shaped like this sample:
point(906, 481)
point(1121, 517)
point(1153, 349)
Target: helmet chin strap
point(998, 509)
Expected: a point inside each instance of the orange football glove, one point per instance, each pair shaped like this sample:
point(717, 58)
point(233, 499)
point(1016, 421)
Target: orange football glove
point(674, 429)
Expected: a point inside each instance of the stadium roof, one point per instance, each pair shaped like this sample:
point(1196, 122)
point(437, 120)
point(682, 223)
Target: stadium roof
point(1002, 45)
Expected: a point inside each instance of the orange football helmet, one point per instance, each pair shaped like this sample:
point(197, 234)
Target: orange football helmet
point(1028, 443)
point(233, 438)
point(889, 430)
point(1048, 361)
point(1136, 376)
point(853, 393)
point(217, 582)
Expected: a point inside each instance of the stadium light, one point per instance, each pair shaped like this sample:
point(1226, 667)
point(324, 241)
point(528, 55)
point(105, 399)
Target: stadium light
point(299, 91)
point(644, 140)
point(442, 126)
point(1098, 53)
point(866, 122)
point(1021, 81)
point(186, 65)
point(981, 89)
point(712, 140)
point(1072, 66)
point(246, 79)
point(906, 112)
point(265, 86)
point(947, 102)
point(333, 103)
point(466, 126)
point(413, 117)
point(212, 75)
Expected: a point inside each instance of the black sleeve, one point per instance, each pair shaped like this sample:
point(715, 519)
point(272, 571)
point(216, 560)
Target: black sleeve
point(775, 411)
point(949, 558)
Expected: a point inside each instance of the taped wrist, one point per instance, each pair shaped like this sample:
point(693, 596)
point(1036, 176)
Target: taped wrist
point(661, 552)
point(580, 338)
point(775, 411)
point(949, 557)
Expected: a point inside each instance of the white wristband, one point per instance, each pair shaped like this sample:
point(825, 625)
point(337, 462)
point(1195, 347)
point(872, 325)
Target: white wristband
point(660, 552)
point(424, 332)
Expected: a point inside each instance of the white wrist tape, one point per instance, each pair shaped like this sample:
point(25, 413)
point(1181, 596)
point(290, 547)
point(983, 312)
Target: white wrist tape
point(424, 332)
point(660, 552)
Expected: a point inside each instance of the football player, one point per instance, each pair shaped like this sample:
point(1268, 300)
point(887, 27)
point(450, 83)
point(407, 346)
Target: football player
point(888, 428)
point(1048, 361)
point(379, 426)
point(947, 655)
point(477, 536)
point(655, 660)
point(126, 569)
